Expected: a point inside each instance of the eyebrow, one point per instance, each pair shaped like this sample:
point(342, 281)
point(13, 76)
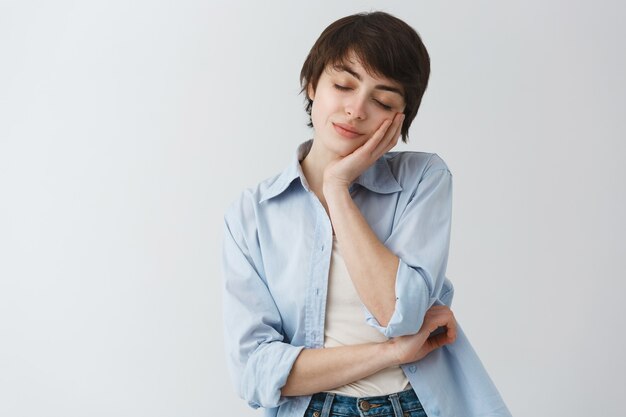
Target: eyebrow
point(349, 70)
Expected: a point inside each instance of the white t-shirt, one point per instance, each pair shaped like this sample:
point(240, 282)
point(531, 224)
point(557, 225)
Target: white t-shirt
point(345, 325)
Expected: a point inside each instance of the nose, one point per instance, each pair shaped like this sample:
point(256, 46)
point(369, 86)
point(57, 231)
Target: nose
point(355, 108)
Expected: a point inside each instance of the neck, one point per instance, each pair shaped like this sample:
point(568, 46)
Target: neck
point(313, 166)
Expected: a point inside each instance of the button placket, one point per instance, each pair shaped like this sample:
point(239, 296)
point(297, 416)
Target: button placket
point(321, 261)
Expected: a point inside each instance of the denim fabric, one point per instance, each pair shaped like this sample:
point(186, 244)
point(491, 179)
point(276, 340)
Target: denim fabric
point(401, 404)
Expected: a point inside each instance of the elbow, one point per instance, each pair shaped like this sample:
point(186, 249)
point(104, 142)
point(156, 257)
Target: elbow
point(384, 313)
point(406, 318)
point(290, 389)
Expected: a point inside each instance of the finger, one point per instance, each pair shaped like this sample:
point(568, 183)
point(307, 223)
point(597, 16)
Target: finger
point(451, 333)
point(391, 136)
point(434, 326)
point(372, 143)
point(436, 342)
point(444, 339)
point(439, 309)
point(438, 317)
point(448, 328)
point(452, 330)
point(396, 135)
point(396, 123)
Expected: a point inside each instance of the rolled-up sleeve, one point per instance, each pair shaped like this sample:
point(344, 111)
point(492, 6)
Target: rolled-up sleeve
point(258, 358)
point(421, 240)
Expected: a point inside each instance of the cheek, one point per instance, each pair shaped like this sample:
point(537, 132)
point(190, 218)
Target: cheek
point(379, 119)
point(319, 110)
point(314, 114)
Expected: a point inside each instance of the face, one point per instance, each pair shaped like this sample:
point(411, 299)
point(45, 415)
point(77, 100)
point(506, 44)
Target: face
point(349, 105)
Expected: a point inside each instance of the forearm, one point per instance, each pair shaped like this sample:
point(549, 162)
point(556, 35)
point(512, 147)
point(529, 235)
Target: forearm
point(317, 370)
point(370, 264)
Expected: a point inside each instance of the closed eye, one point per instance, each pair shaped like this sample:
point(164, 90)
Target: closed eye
point(342, 88)
point(384, 106)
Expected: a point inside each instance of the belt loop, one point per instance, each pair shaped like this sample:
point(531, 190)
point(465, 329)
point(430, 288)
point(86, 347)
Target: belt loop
point(395, 402)
point(328, 402)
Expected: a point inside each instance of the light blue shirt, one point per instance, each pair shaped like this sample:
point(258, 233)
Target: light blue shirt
point(277, 247)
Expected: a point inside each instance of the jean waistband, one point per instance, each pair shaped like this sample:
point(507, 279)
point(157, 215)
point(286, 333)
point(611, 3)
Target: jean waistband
point(395, 404)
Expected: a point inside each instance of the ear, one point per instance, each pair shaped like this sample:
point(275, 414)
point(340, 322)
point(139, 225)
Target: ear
point(310, 91)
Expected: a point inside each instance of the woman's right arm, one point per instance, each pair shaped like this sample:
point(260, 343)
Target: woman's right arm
point(317, 370)
point(258, 357)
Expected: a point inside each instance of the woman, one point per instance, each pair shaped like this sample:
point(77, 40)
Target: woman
point(335, 297)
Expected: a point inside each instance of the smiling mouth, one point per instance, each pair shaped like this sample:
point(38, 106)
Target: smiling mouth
point(345, 132)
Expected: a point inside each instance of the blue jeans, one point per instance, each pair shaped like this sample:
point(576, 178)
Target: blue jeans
point(399, 404)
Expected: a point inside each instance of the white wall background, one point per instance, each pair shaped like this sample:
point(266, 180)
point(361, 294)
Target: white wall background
point(127, 127)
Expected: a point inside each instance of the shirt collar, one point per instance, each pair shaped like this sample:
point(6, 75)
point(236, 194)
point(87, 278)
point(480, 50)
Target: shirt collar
point(377, 178)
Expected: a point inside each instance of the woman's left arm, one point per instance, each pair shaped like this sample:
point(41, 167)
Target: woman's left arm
point(370, 264)
point(400, 279)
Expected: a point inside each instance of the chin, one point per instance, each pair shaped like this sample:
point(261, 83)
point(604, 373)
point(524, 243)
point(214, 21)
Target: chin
point(340, 146)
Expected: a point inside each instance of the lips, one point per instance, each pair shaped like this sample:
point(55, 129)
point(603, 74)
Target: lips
point(346, 131)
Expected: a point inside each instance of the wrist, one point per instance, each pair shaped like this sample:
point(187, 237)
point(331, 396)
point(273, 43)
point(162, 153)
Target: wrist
point(389, 353)
point(334, 189)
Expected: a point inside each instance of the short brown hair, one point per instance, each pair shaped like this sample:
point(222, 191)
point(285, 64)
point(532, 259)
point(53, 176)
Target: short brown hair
point(385, 45)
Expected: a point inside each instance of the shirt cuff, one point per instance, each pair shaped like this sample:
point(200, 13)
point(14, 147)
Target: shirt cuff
point(266, 373)
point(412, 301)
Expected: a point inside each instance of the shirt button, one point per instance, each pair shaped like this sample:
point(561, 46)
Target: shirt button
point(316, 414)
point(322, 248)
point(364, 405)
point(412, 368)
